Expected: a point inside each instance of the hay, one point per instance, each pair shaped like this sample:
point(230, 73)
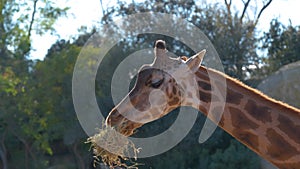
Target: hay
point(113, 148)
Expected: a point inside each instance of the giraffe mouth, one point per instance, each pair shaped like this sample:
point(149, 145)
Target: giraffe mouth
point(121, 124)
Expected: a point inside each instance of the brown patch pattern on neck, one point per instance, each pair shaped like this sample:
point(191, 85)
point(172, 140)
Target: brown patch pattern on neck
point(279, 149)
point(290, 128)
point(261, 113)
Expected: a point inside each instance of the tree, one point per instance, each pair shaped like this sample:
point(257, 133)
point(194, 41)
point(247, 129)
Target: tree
point(8, 86)
point(18, 20)
point(37, 119)
point(233, 35)
point(282, 44)
point(54, 120)
point(228, 159)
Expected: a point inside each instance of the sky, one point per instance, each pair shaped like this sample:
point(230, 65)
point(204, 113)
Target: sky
point(88, 13)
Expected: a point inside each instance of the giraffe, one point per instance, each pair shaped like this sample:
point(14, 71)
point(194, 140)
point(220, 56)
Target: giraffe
point(267, 126)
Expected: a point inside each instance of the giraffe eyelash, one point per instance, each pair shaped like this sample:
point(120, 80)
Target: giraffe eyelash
point(157, 83)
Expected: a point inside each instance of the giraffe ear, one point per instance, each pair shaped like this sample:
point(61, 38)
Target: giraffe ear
point(195, 61)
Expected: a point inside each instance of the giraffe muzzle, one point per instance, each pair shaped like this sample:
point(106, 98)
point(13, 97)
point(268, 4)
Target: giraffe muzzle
point(121, 124)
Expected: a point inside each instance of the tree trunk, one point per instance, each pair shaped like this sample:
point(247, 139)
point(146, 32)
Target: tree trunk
point(3, 157)
point(80, 161)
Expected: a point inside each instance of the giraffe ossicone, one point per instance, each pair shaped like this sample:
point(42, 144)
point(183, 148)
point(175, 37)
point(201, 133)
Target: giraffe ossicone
point(268, 127)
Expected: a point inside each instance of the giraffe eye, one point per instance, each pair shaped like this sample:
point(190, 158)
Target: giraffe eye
point(156, 83)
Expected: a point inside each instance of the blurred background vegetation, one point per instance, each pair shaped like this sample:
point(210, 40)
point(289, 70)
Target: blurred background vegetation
point(38, 124)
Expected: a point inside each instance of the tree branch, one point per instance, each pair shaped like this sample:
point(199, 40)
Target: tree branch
point(228, 6)
point(78, 156)
point(3, 152)
point(101, 4)
point(261, 11)
point(3, 32)
point(27, 148)
point(244, 10)
point(32, 19)
point(3, 158)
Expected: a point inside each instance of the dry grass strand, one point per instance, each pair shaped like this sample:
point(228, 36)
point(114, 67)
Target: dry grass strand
point(113, 148)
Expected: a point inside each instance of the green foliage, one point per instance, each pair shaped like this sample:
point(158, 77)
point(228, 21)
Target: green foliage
point(45, 113)
point(282, 44)
point(233, 38)
point(214, 154)
point(235, 156)
point(25, 128)
point(38, 124)
point(19, 19)
point(53, 75)
point(9, 82)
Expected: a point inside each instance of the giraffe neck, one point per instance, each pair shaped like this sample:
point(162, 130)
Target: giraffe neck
point(268, 127)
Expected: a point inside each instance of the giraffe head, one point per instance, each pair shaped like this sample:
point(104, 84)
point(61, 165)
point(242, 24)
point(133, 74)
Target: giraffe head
point(160, 87)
